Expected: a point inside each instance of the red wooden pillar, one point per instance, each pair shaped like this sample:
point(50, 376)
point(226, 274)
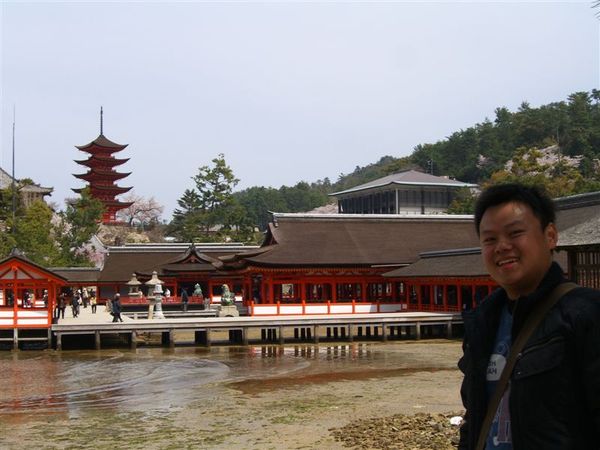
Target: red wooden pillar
point(50, 305)
point(363, 292)
point(15, 297)
point(419, 299)
point(459, 295)
point(432, 298)
point(445, 297)
point(303, 291)
point(333, 285)
point(272, 291)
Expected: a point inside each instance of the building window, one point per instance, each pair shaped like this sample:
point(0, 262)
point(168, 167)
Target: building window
point(349, 291)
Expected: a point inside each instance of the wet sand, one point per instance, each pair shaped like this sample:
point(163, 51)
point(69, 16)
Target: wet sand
point(293, 410)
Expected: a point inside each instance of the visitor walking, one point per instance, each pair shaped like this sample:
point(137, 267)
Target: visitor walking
point(62, 305)
point(93, 301)
point(184, 299)
point(85, 296)
point(116, 308)
point(75, 305)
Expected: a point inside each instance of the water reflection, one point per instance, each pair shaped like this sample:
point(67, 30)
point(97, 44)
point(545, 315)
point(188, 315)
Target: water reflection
point(154, 380)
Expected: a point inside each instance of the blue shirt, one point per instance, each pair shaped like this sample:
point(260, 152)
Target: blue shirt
point(499, 437)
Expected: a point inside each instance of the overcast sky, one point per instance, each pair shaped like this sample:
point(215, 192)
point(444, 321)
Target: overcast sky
point(287, 91)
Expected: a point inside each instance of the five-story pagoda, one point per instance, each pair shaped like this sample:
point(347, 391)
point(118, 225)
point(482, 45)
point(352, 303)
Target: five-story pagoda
point(102, 176)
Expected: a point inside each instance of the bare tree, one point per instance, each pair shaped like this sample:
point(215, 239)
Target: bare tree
point(142, 212)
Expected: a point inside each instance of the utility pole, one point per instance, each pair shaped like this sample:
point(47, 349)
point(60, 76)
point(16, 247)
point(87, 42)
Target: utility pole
point(13, 188)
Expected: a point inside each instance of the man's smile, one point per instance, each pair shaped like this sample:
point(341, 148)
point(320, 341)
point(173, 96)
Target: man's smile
point(506, 262)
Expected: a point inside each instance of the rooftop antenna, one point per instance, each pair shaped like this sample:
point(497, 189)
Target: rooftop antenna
point(101, 113)
point(14, 198)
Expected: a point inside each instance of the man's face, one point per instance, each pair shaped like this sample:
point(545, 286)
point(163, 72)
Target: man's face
point(516, 251)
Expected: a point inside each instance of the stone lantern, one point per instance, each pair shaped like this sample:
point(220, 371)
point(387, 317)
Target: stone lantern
point(134, 286)
point(154, 297)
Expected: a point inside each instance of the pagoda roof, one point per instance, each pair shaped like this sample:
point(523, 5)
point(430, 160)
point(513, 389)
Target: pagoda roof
point(117, 203)
point(102, 141)
point(101, 173)
point(107, 189)
point(95, 159)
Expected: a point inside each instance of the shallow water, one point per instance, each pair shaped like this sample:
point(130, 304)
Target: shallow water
point(156, 380)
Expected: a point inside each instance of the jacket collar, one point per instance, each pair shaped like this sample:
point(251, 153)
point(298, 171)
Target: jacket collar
point(526, 303)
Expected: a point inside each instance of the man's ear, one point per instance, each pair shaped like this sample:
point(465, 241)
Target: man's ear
point(551, 234)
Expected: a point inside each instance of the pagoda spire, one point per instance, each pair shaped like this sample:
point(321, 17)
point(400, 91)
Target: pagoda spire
point(101, 122)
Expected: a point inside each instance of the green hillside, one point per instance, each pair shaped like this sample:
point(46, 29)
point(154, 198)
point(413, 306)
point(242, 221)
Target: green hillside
point(477, 154)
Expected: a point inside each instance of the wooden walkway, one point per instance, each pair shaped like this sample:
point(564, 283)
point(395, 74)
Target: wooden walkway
point(279, 330)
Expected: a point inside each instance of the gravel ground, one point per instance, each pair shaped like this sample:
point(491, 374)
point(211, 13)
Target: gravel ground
point(419, 431)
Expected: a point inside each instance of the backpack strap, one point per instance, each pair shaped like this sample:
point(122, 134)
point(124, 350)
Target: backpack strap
point(532, 322)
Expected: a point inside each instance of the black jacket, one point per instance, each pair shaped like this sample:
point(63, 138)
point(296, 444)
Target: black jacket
point(555, 385)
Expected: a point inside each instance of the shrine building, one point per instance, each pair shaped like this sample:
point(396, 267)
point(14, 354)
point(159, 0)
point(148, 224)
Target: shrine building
point(406, 192)
point(29, 193)
point(308, 264)
point(28, 294)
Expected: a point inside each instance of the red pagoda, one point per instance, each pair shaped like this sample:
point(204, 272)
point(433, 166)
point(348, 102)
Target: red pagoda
point(102, 176)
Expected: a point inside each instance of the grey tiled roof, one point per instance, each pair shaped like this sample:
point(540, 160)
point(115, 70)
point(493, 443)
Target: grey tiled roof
point(361, 240)
point(408, 177)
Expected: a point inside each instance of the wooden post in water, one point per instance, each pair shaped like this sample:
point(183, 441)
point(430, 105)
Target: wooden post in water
point(167, 338)
point(418, 330)
point(97, 341)
point(133, 340)
point(15, 337)
point(316, 336)
point(58, 341)
point(383, 333)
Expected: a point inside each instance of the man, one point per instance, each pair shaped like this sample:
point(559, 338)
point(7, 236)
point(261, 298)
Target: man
point(116, 308)
point(184, 299)
point(553, 398)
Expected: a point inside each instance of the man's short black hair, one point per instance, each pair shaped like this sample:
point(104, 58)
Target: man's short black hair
point(532, 196)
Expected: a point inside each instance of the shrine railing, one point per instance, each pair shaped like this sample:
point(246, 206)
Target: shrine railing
point(284, 309)
point(25, 317)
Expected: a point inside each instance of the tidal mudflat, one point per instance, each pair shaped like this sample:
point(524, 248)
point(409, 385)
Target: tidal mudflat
point(255, 397)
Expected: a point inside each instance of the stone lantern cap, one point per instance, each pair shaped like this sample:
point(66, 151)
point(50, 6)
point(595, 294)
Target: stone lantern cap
point(134, 281)
point(154, 280)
